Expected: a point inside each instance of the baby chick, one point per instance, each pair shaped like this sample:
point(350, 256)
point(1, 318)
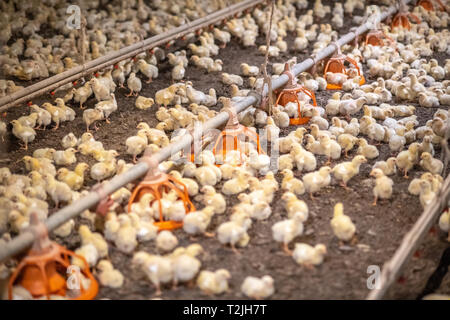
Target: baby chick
point(58, 191)
point(108, 276)
point(444, 222)
point(309, 256)
point(212, 198)
point(134, 84)
point(198, 221)
point(126, 238)
point(367, 150)
point(383, 186)
point(213, 282)
point(90, 116)
point(426, 194)
point(408, 158)
point(24, 133)
point(316, 180)
point(346, 170)
point(295, 206)
point(166, 241)
point(137, 144)
point(144, 103)
point(342, 225)
point(234, 232)
point(159, 270)
point(286, 230)
point(431, 164)
point(94, 238)
point(65, 157)
point(258, 288)
point(74, 179)
point(292, 184)
point(238, 184)
point(388, 167)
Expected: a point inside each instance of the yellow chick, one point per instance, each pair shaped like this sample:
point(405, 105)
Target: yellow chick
point(65, 157)
point(24, 133)
point(431, 164)
point(248, 70)
point(383, 186)
point(137, 144)
point(197, 222)
point(238, 184)
point(185, 267)
point(215, 200)
point(94, 238)
point(285, 231)
point(342, 225)
point(58, 191)
point(89, 253)
point(295, 206)
point(103, 170)
point(292, 184)
point(426, 194)
point(90, 116)
point(191, 185)
point(367, 150)
point(316, 180)
point(41, 165)
point(166, 241)
point(309, 256)
point(108, 276)
point(444, 222)
point(258, 288)
point(144, 103)
point(74, 179)
point(69, 141)
point(65, 230)
point(126, 238)
point(234, 232)
point(213, 282)
point(388, 167)
point(408, 158)
point(346, 170)
point(158, 270)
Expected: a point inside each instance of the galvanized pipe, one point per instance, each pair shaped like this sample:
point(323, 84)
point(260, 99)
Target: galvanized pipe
point(89, 67)
point(25, 239)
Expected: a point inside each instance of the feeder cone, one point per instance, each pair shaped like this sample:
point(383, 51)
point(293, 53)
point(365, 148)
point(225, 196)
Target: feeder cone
point(157, 183)
point(233, 135)
point(377, 37)
point(336, 65)
point(429, 5)
point(290, 94)
point(402, 17)
point(44, 271)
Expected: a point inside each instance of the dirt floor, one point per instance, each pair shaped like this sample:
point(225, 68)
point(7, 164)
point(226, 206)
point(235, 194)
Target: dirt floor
point(343, 274)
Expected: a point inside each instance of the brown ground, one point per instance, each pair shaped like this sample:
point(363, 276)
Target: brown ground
point(343, 274)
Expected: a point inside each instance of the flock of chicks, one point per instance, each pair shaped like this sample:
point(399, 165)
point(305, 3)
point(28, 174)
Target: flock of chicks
point(253, 182)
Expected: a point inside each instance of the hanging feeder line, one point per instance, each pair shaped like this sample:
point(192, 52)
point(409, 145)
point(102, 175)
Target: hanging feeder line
point(25, 239)
point(47, 85)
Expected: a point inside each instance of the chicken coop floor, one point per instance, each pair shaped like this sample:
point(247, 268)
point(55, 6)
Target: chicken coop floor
point(343, 275)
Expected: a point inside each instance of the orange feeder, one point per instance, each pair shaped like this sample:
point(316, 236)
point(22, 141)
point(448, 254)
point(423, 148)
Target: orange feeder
point(233, 134)
point(377, 37)
point(157, 183)
point(290, 94)
point(336, 65)
point(402, 17)
point(45, 270)
point(429, 6)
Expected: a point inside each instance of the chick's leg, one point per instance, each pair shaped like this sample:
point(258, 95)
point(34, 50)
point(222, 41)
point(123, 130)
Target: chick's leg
point(209, 234)
point(107, 121)
point(56, 127)
point(158, 289)
point(406, 174)
point(175, 284)
point(286, 249)
point(236, 251)
point(375, 201)
point(149, 80)
point(130, 94)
